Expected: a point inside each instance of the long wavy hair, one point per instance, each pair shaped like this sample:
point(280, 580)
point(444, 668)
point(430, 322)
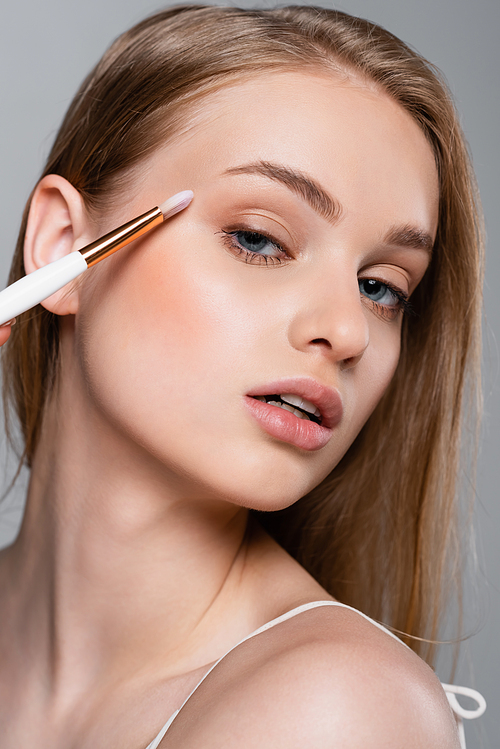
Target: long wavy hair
point(381, 531)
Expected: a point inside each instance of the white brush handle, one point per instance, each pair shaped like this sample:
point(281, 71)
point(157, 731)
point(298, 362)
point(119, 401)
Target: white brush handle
point(37, 286)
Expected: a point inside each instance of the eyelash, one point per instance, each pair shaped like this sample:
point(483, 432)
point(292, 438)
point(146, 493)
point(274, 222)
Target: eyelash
point(255, 258)
point(383, 310)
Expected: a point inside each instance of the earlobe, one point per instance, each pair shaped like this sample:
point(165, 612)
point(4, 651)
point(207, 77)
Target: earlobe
point(57, 225)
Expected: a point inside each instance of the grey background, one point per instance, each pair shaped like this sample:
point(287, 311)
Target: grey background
point(46, 48)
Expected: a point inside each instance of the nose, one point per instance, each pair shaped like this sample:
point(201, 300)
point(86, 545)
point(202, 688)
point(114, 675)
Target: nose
point(330, 320)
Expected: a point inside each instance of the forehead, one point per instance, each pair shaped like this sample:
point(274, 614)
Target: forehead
point(354, 140)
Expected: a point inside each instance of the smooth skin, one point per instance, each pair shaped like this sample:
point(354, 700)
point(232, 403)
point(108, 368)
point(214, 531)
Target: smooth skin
point(136, 567)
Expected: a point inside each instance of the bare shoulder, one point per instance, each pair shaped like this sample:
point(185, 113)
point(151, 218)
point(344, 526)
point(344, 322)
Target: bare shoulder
point(324, 678)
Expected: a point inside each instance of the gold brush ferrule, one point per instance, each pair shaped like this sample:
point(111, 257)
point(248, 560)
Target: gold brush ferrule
point(118, 238)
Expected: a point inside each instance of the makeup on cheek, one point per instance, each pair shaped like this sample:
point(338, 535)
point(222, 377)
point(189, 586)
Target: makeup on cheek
point(32, 289)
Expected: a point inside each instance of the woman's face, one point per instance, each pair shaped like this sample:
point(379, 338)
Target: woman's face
point(315, 207)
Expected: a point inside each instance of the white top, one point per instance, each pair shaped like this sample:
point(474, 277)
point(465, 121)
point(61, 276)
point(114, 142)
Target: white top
point(450, 690)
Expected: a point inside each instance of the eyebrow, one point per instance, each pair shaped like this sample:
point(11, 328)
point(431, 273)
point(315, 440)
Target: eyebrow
point(302, 185)
point(408, 236)
point(322, 202)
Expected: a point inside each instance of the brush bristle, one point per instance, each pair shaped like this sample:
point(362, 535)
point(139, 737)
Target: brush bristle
point(176, 203)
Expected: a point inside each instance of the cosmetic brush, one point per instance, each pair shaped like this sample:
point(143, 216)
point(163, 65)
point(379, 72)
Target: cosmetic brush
point(32, 289)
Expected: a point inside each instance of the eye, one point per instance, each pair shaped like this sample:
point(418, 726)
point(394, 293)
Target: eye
point(386, 300)
point(252, 241)
point(378, 291)
point(255, 247)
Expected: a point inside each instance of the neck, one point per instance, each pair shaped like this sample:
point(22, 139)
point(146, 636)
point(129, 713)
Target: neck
point(117, 559)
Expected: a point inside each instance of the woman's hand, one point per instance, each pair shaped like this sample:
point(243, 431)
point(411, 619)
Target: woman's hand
point(5, 331)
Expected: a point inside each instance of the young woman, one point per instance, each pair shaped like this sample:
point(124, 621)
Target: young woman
point(248, 421)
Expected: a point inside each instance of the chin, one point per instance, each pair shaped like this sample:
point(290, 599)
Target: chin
point(267, 489)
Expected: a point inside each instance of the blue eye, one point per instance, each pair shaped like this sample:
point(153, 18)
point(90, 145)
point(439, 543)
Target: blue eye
point(384, 300)
point(379, 292)
point(252, 241)
point(255, 247)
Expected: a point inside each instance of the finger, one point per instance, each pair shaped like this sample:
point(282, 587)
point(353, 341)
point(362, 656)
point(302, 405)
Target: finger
point(5, 331)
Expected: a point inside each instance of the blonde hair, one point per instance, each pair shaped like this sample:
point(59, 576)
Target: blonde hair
point(380, 532)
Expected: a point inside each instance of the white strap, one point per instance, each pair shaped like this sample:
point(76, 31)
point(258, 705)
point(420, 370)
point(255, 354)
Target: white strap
point(156, 741)
point(450, 689)
point(460, 712)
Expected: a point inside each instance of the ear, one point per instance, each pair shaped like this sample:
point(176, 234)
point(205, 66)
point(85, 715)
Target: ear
point(57, 225)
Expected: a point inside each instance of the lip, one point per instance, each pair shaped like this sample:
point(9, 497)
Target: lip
point(287, 427)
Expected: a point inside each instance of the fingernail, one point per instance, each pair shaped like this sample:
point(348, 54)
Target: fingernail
point(10, 322)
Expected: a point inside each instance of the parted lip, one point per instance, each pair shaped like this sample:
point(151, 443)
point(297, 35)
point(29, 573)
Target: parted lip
point(326, 399)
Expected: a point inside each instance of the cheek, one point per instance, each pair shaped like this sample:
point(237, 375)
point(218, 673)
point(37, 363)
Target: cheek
point(377, 367)
point(167, 355)
point(167, 333)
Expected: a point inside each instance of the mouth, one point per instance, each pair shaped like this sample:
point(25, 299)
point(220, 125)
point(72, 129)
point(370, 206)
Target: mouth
point(297, 410)
point(296, 405)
